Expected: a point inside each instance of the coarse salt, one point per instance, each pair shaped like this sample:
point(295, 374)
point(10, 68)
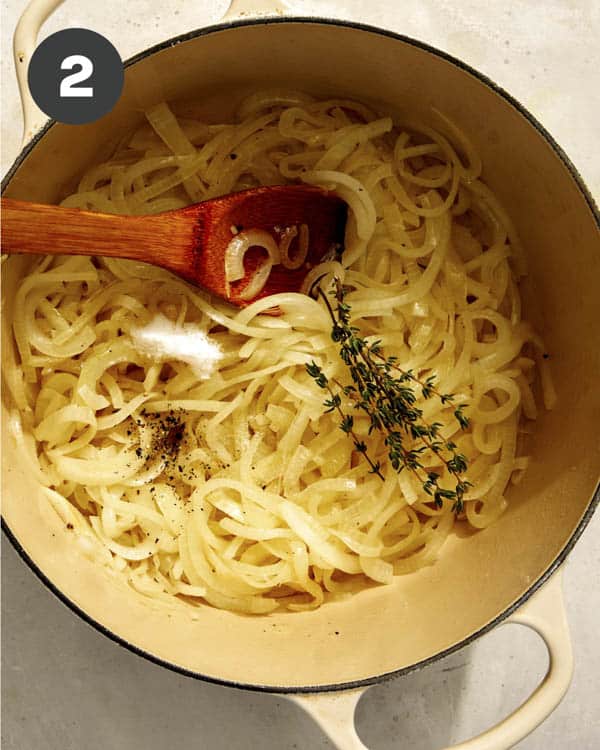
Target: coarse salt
point(163, 340)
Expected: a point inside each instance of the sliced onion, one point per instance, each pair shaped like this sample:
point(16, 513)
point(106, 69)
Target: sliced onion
point(323, 272)
point(234, 260)
point(377, 569)
point(287, 237)
point(257, 282)
point(284, 246)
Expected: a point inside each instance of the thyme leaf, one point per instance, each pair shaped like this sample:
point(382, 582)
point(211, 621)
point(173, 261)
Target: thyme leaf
point(388, 395)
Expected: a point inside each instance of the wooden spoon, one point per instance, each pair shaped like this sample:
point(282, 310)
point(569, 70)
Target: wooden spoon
point(190, 241)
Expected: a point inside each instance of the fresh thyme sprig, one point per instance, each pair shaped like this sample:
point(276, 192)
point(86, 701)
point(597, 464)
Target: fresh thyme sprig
point(386, 393)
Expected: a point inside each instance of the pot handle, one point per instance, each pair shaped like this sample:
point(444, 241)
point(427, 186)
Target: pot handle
point(37, 12)
point(544, 613)
point(24, 43)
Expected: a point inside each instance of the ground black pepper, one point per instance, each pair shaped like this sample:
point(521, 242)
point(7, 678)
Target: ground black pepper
point(168, 435)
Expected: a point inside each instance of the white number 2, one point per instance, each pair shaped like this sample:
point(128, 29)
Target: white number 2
point(86, 68)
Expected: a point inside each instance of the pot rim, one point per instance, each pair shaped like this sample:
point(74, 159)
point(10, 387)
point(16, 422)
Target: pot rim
point(594, 501)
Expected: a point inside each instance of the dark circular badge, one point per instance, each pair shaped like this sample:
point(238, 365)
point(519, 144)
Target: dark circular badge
point(75, 76)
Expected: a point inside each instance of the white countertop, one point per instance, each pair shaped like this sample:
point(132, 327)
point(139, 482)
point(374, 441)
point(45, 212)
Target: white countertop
point(66, 687)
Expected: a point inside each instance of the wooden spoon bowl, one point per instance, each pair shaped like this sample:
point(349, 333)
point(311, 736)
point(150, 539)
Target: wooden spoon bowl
point(190, 241)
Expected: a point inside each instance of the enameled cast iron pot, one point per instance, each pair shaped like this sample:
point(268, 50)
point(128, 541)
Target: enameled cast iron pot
point(325, 659)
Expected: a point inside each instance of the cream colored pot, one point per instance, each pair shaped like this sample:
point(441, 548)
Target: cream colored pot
point(334, 653)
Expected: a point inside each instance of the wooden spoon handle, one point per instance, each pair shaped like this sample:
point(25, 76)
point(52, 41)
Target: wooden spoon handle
point(52, 230)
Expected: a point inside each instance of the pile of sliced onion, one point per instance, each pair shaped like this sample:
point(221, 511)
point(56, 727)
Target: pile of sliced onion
point(243, 241)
